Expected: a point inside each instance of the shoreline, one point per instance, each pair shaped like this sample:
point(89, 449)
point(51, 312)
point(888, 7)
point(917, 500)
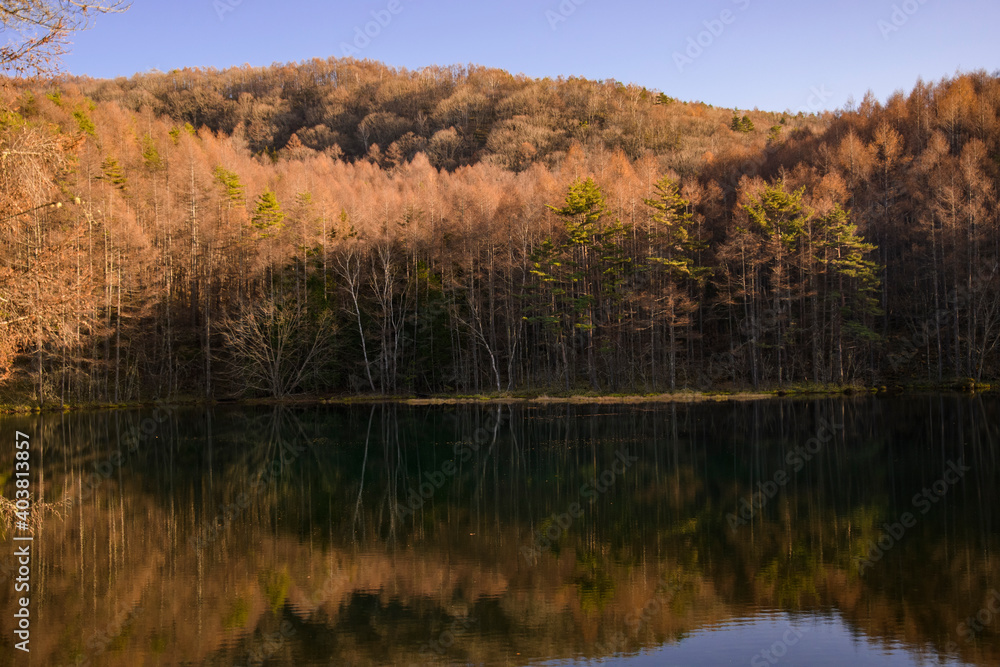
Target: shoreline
point(524, 398)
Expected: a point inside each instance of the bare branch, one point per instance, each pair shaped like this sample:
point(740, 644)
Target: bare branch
point(39, 31)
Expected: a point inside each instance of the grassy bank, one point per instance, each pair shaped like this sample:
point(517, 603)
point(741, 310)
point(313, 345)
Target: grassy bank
point(29, 406)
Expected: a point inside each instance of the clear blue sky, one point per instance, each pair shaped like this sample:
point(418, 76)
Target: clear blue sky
point(771, 54)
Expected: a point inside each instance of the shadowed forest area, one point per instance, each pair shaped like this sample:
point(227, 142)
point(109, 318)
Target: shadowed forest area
point(341, 226)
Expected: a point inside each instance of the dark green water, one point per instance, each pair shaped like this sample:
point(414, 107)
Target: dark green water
point(821, 532)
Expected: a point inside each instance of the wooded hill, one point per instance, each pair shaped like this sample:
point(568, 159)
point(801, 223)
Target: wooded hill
point(342, 226)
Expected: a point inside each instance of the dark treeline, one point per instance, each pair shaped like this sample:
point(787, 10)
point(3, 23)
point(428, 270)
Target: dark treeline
point(344, 226)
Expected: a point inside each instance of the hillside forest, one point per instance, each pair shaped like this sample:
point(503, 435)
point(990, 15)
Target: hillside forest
point(340, 226)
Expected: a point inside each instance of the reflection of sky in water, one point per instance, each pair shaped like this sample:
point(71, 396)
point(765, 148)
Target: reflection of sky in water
point(825, 640)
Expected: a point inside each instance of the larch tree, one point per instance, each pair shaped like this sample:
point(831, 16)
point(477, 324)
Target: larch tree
point(671, 259)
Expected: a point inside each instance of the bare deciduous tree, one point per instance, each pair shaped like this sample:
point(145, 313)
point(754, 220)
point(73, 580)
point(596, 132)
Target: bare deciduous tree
point(39, 30)
point(275, 348)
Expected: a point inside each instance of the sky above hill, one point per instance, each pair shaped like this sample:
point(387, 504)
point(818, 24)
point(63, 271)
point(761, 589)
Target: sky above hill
point(770, 54)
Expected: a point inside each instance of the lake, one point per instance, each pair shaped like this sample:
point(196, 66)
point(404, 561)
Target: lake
point(831, 531)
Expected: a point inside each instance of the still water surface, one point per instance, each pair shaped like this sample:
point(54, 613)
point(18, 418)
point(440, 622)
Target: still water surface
point(787, 532)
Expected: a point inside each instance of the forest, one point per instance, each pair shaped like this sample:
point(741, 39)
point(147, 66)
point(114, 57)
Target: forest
point(341, 227)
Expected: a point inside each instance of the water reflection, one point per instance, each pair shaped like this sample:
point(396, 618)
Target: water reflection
point(397, 535)
point(793, 640)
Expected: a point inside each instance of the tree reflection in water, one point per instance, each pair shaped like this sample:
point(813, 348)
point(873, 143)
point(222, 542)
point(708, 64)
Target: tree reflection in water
point(306, 558)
